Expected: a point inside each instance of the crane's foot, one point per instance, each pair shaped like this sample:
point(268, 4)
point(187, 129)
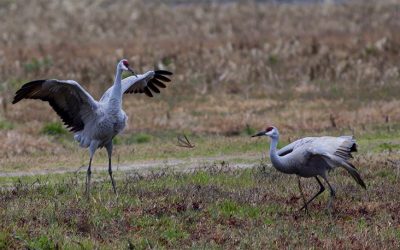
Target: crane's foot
point(329, 208)
point(87, 191)
point(114, 188)
point(88, 178)
point(113, 182)
point(331, 198)
point(305, 207)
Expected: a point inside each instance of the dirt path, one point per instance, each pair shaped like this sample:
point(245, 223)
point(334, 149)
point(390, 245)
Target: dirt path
point(175, 164)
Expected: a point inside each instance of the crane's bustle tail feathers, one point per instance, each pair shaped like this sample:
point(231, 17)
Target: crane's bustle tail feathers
point(77, 137)
point(84, 142)
point(333, 161)
point(354, 173)
point(348, 145)
point(354, 147)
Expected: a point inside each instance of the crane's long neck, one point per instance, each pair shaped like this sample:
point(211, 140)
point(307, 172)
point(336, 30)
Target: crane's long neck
point(277, 161)
point(116, 93)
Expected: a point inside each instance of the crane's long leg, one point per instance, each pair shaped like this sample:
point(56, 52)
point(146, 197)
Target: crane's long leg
point(92, 148)
point(302, 195)
point(332, 194)
point(109, 148)
point(322, 189)
point(88, 176)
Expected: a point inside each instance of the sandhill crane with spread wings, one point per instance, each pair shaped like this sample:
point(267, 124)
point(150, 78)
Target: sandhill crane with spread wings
point(313, 157)
point(94, 123)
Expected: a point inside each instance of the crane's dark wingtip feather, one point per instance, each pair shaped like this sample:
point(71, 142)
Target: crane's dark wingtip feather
point(162, 78)
point(27, 89)
point(163, 72)
point(153, 88)
point(158, 83)
point(147, 92)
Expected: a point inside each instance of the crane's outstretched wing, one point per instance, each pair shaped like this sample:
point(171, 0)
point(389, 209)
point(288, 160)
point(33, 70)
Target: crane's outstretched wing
point(147, 83)
point(290, 147)
point(340, 146)
point(71, 102)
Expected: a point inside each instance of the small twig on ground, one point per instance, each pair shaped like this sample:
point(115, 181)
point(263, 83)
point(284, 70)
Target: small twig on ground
point(36, 181)
point(76, 171)
point(184, 142)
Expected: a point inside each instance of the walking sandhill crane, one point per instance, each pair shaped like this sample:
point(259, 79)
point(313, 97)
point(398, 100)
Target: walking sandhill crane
point(94, 123)
point(313, 157)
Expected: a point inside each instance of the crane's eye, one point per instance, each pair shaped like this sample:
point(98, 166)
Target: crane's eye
point(125, 62)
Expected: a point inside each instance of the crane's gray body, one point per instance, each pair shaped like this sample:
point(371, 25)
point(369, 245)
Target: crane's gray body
point(107, 118)
point(312, 156)
point(105, 123)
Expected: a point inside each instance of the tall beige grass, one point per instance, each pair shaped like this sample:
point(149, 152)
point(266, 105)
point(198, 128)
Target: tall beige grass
point(299, 67)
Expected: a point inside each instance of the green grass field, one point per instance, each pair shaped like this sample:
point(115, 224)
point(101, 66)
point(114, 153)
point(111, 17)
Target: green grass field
point(213, 205)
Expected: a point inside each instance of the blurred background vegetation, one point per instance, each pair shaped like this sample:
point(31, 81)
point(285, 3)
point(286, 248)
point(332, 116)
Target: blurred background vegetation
point(329, 66)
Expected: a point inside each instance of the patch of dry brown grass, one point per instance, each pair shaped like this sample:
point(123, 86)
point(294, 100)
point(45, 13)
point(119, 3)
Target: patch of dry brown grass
point(303, 68)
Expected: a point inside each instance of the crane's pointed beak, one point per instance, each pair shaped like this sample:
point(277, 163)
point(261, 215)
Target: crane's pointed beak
point(259, 134)
point(131, 70)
